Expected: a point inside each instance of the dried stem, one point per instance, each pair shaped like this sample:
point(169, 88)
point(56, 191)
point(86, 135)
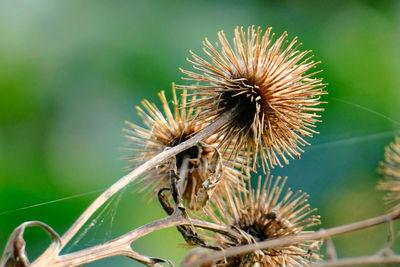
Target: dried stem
point(54, 250)
point(383, 256)
point(122, 245)
point(321, 234)
point(330, 249)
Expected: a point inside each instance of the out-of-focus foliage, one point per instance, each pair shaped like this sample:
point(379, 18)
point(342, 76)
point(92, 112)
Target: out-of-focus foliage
point(71, 72)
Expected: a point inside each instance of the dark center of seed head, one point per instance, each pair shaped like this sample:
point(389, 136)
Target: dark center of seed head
point(190, 153)
point(245, 102)
point(256, 231)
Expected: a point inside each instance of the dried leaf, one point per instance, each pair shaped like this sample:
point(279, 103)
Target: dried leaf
point(206, 191)
point(14, 254)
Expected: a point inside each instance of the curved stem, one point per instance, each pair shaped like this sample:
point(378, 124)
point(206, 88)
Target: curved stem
point(115, 247)
point(120, 246)
point(53, 251)
point(321, 234)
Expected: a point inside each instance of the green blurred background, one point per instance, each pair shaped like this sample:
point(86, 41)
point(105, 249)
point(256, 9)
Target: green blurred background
point(71, 73)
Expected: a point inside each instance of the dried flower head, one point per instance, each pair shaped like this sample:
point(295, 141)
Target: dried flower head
point(268, 84)
point(194, 165)
point(264, 214)
point(390, 168)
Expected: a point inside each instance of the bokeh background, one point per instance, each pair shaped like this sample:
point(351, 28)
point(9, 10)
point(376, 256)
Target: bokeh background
point(71, 73)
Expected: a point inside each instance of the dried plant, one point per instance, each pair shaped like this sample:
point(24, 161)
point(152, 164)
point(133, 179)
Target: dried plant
point(194, 165)
point(257, 99)
point(390, 168)
point(269, 85)
point(265, 214)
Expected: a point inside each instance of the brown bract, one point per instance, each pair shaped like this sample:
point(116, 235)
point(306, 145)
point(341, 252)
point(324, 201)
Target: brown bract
point(390, 168)
point(269, 84)
point(194, 166)
point(264, 214)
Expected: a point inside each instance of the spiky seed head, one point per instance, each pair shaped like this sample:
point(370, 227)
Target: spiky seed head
point(390, 168)
point(263, 214)
point(269, 84)
point(195, 165)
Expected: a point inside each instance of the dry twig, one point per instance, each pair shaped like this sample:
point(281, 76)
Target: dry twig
point(321, 234)
point(53, 251)
point(121, 245)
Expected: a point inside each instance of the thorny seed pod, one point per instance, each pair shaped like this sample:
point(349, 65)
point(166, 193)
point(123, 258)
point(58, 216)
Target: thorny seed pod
point(390, 168)
point(268, 84)
point(194, 165)
point(264, 214)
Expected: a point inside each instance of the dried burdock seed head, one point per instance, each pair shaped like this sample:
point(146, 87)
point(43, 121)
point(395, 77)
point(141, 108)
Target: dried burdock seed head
point(194, 165)
point(269, 84)
point(390, 168)
point(264, 214)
